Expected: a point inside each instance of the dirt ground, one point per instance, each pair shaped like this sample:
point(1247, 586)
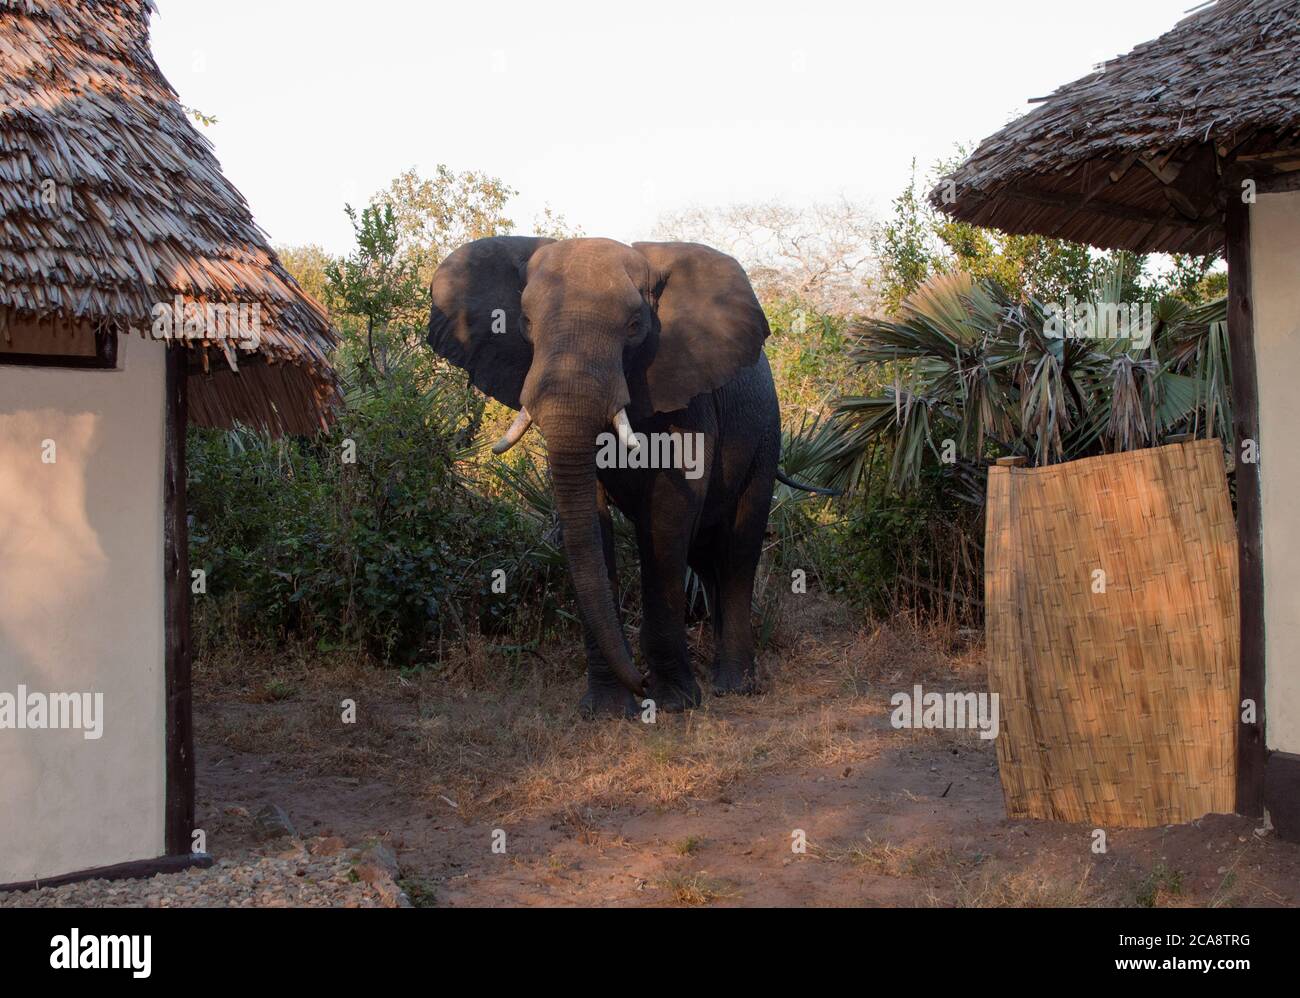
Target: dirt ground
point(491, 791)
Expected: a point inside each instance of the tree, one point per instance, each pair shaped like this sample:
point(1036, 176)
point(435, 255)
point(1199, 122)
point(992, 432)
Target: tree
point(553, 225)
point(820, 254)
point(434, 215)
point(917, 242)
point(1196, 279)
point(376, 282)
point(906, 247)
point(979, 372)
point(308, 265)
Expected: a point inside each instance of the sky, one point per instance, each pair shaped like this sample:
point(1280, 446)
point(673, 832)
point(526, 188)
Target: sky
point(613, 114)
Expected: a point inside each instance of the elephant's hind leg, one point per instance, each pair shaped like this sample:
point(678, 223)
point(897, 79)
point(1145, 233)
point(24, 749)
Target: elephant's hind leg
point(737, 552)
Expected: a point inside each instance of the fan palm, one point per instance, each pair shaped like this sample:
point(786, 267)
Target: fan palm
point(968, 373)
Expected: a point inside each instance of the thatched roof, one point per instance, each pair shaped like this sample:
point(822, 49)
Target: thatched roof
point(111, 203)
point(1138, 155)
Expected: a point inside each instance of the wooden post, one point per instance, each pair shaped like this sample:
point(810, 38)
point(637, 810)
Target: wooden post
point(1251, 748)
point(179, 807)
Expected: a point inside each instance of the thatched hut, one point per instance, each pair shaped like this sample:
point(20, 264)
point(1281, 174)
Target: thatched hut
point(1191, 144)
point(136, 294)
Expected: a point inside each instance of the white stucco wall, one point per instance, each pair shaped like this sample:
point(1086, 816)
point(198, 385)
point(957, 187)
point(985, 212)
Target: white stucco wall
point(1275, 268)
point(81, 610)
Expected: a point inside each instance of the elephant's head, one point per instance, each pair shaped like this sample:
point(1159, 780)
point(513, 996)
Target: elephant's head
point(576, 334)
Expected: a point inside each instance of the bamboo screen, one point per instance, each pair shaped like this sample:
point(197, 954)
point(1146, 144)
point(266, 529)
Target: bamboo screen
point(1118, 691)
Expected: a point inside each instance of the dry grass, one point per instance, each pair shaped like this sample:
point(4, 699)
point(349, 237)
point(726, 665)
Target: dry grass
point(1028, 889)
point(957, 878)
point(493, 739)
point(918, 860)
point(532, 759)
point(687, 846)
point(497, 735)
point(695, 889)
point(1161, 888)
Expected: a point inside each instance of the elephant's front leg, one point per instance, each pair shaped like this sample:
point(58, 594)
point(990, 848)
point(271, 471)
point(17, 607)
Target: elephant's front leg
point(663, 547)
point(605, 695)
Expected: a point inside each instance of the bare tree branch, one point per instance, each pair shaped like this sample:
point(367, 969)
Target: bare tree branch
point(821, 253)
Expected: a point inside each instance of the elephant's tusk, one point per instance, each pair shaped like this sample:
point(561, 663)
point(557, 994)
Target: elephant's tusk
point(517, 429)
point(625, 435)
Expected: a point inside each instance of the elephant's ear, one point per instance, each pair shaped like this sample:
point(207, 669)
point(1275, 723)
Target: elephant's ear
point(475, 318)
point(710, 324)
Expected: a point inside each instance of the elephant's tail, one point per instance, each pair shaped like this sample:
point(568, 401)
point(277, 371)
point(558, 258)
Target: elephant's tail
point(781, 477)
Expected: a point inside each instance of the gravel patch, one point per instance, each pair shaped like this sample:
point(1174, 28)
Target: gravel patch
point(315, 873)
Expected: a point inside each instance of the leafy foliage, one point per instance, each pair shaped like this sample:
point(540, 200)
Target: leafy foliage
point(968, 372)
point(394, 551)
point(916, 243)
point(385, 532)
point(434, 215)
point(976, 373)
point(377, 283)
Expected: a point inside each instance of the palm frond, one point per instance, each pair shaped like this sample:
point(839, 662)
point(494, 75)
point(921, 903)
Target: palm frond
point(972, 364)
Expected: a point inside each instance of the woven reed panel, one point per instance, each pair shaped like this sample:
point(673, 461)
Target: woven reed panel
point(1117, 708)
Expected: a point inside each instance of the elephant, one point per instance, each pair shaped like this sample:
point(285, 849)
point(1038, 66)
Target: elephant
point(594, 342)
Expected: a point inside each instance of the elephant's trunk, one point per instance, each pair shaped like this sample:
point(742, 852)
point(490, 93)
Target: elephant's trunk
point(571, 425)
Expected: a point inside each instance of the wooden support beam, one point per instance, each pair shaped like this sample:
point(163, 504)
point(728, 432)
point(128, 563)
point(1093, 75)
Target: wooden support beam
point(1101, 208)
point(1162, 171)
point(1272, 154)
point(1117, 174)
point(1279, 183)
point(1282, 794)
point(133, 870)
point(1251, 747)
point(179, 806)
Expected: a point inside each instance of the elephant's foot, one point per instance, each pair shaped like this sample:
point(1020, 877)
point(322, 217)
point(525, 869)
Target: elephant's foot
point(608, 701)
point(675, 693)
point(734, 679)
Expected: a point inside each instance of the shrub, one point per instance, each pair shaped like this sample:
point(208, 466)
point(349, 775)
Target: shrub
point(373, 534)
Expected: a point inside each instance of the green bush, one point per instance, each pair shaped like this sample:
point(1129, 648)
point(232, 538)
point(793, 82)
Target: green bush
point(394, 550)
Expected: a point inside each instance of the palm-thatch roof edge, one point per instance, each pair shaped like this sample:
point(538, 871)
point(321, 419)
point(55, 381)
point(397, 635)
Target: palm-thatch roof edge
point(112, 203)
point(1141, 154)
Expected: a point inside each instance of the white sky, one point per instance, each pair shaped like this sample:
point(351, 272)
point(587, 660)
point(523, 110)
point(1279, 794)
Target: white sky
point(612, 113)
